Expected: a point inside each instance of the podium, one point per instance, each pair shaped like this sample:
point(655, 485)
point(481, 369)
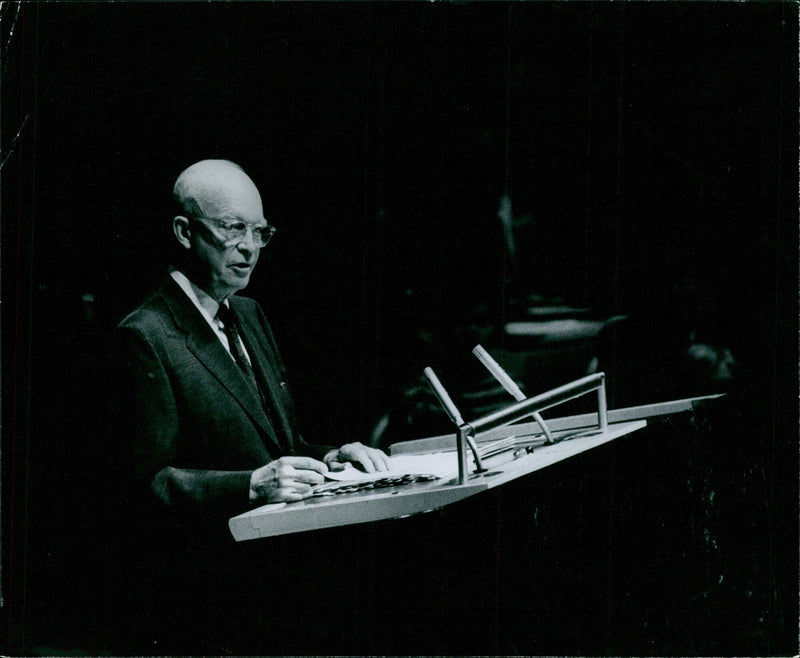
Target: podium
point(419, 497)
point(501, 449)
point(485, 565)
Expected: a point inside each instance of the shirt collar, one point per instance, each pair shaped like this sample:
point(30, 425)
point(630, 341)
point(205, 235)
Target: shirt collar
point(206, 304)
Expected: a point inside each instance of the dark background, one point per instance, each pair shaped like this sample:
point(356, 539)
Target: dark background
point(651, 149)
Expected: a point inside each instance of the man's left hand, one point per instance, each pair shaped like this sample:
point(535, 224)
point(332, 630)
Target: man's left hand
point(370, 460)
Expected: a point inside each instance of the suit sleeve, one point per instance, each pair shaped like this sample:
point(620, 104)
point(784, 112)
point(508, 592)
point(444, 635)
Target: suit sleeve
point(146, 415)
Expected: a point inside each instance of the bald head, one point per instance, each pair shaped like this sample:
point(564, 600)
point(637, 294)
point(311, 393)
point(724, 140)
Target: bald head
point(208, 186)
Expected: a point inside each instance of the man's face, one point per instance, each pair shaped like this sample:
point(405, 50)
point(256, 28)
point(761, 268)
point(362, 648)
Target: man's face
point(224, 266)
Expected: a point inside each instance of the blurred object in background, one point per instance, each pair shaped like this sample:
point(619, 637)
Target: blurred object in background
point(88, 307)
point(714, 363)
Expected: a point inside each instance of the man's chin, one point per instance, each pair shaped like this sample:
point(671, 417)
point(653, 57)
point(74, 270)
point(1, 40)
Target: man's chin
point(236, 286)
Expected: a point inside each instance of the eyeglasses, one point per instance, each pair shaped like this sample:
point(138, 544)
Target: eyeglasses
point(234, 232)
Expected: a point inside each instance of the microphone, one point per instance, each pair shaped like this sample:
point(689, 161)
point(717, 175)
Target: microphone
point(444, 397)
point(509, 385)
point(452, 411)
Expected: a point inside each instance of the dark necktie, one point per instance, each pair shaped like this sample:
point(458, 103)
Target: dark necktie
point(226, 317)
point(229, 325)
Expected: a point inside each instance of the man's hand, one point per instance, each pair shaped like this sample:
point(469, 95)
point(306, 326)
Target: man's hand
point(286, 479)
point(368, 459)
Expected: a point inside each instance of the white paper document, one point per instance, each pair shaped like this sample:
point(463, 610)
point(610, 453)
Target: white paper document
point(440, 464)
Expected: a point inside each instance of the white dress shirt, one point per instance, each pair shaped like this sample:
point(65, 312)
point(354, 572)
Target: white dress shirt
point(208, 307)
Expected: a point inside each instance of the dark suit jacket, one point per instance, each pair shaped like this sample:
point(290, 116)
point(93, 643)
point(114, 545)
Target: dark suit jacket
point(194, 427)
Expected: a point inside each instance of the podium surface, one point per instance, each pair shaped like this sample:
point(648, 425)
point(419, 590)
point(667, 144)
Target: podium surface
point(418, 497)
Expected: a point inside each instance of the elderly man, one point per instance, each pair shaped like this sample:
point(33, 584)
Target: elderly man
point(213, 422)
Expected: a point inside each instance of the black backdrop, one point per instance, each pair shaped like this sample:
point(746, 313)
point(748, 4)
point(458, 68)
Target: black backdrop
point(652, 148)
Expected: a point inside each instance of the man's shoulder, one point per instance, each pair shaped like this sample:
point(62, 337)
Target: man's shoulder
point(151, 312)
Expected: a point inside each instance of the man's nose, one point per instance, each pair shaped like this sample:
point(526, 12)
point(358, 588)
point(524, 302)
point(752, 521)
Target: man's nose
point(248, 241)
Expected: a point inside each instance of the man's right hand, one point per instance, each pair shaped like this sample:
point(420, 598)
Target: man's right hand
point(286, 480)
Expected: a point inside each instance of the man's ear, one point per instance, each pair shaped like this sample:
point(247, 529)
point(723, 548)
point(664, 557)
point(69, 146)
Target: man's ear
point(180, 225)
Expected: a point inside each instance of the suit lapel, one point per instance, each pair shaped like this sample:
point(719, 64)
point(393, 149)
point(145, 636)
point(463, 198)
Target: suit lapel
point(201, 341)
point(268, 372)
